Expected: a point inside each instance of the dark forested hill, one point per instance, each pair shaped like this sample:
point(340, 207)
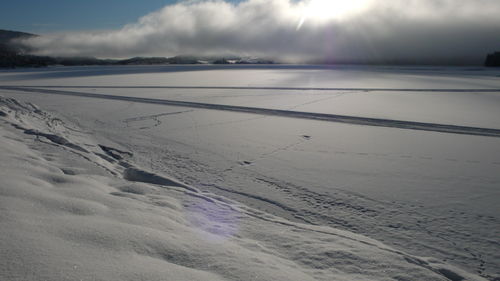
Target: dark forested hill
point(6, 35)
point(13, 54)
point(493, 60)
point(8, 43)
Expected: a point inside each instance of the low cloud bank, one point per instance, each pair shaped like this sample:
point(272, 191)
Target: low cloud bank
point(416, 31)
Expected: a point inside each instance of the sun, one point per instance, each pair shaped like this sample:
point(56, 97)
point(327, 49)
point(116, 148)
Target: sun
point(323, 10)
point(328, 9)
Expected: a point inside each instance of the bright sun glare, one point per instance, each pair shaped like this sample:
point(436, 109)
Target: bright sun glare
point(321, 10)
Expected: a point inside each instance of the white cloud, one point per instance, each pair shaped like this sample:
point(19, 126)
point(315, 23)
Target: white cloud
point(388, 30)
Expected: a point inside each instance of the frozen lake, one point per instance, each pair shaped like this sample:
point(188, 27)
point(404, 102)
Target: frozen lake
point(389, 172)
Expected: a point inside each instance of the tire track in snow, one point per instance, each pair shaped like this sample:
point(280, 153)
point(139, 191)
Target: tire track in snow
point(355, 120)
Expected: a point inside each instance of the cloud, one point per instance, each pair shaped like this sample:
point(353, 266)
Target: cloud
point(461, 31)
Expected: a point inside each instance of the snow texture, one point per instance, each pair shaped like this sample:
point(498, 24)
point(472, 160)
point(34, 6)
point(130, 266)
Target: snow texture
point(100, 189)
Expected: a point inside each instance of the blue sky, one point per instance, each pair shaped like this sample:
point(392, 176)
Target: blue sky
point(41, 16)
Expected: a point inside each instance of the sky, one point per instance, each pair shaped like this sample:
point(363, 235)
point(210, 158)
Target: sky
point(364, 31)
point(40, 17)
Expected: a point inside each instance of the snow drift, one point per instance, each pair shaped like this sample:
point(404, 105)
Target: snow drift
point(68, 213)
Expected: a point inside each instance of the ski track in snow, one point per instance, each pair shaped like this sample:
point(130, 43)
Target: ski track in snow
point(455, 235)
point(349, 208)
point(118, 162)
point(400, 124)
point(444, 90)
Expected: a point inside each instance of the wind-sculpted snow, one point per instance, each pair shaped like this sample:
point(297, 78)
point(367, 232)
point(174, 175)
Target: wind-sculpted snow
point(70, 215)
point(137, 175)
point(444, 128)
point(425, 193)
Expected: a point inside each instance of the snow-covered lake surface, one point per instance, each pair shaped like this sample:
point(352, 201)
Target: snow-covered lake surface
point(405, 156)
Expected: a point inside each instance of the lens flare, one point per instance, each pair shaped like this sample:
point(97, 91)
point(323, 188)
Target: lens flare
point(215, 223)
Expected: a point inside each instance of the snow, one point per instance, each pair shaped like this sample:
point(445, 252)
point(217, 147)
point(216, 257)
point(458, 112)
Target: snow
point(119, 190)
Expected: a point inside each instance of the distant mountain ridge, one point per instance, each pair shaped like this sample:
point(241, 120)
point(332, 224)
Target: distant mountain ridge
point(16, 55)
point(13, 54)
point(7, 35)
point(7, 40)
point(10, 34)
